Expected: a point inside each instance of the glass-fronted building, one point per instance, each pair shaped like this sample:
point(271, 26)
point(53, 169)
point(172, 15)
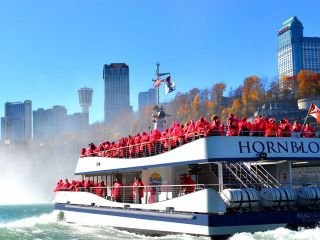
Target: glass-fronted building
point(116, 90)
point(296, 52)
point(16, 125)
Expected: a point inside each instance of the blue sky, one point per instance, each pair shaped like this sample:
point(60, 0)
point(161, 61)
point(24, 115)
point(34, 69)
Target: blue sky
point(49, 49)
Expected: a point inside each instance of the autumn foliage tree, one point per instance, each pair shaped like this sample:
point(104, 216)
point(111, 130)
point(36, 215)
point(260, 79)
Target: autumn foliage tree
point(252, 95)
point(308, 84)
point(217, 91)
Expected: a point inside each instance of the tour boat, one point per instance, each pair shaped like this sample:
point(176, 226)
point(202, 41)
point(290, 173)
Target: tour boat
point(241, 184)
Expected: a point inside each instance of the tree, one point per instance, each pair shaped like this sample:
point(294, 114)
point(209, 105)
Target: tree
point(289, 87)
point(195, 108)
point(252, 94)
point(308, 84)
point(273, 92)
point(217, 91)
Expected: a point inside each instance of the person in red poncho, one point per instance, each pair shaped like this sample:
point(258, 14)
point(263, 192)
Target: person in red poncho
point(91, 150)
point(165, 140)
point(244, 127)
point(145, 138)
point(137, 190)
point(259, 126)
point(100, 190)
point(83, 152)
point(232, 126)
point(272, 128)
point(177, 135)
point(59, 186)
point(137, 141)
point(66, 185)
point(285, 128)
point(308, 131)
point(73, 185)
point(131, 146)
point(154, 142)
point(200, 126)
point(191, 131)
point(79, 186)
point(116, 193)
point(187, 180)
point(216, 127)
point(296, 129)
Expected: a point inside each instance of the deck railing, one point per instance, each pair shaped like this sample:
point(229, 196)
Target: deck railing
point(153, 194)
point(147, 149)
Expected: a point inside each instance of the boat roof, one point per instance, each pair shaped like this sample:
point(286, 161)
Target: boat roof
point(211, 149)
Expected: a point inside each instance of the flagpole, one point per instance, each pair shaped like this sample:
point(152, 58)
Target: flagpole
point(158, 77)
point(305, 119)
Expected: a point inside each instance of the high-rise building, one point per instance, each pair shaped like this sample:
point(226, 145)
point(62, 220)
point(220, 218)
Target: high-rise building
point(296, 52)
point(42, 124)
point(16, 125)
point(59, 114)
point(116, 90)
point(76, 122)
point(48, 123)
point(147, 98)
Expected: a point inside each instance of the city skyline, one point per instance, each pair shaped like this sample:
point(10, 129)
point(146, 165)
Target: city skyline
point(51, 49)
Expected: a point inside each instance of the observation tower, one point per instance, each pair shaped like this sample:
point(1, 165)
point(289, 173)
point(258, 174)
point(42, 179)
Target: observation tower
point(85, 98)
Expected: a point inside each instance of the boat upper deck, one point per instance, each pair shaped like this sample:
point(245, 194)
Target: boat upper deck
point(211, 149)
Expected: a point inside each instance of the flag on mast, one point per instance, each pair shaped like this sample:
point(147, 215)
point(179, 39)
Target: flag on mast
point(157, 83)
point(315, 112)
point(170, 86)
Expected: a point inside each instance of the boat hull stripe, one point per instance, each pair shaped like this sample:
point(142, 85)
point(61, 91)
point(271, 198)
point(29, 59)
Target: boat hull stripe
point(237, 219)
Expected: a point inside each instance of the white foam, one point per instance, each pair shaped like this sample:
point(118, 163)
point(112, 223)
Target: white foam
point(32, 221)
point(280, 234)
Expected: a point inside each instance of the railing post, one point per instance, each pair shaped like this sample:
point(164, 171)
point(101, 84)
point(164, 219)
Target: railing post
point(146, 199)
point(220, 173)
point(290, 173)
point(156, 199)
point(137, 195)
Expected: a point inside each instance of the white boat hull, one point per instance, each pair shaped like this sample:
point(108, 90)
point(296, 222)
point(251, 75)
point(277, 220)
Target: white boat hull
point(154, 222)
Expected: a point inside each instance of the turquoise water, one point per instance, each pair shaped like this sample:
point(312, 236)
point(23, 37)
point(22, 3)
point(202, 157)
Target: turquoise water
point(37, 222)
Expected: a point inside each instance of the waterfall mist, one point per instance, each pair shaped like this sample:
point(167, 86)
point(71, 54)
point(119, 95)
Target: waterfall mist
point(29, 171)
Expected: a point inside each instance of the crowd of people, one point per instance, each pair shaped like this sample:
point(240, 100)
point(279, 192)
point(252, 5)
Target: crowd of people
point(98, 188)
point(144, 144)
point(133, 194)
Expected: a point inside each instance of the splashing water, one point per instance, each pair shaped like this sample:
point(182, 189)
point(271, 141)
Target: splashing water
point(28, 222)
point(280, 234)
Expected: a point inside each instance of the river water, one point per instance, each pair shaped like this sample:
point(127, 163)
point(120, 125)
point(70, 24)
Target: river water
point(35, 222)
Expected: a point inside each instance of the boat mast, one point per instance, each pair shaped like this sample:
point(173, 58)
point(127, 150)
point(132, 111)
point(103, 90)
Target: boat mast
point(158, 77)
point(159, 115)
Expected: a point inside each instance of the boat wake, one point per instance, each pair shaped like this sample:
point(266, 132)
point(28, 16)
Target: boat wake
point(47, 226)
